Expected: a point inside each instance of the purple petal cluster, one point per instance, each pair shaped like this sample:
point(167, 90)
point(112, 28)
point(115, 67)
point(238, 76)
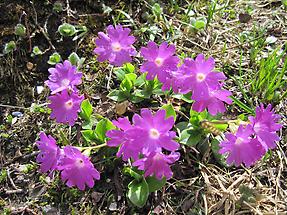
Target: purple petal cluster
point(196, 76)
point(65, 101)
point(65, 106)
point(144, 142)
point(115, 46)
point(49, 153)
point(76, 168)
point(250, 143)
point(159, 60)
point(63, 76)
point(265, 124)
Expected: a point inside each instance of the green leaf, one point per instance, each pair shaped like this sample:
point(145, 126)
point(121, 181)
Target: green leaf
point(120, 73)
point(140, 80)
point(181, 126)
point(102, 127)
point(3, 175)
point(86, 110)
point(169, 111)
point(215, 148)
point(88, 124)
point(220, 126)
point(36, 51)
point(67, 30)
point(74, 58)
point(89, 135)
point(57, 7)
point(155, 184)
point(132, 173)
point(129, 68)
point(242, 105)
point(194, 138)
point(194, 118)
point(9, 47)
point(117, 95)
point(187, 98)
point(199, 24)
point(54, 58)
point(128, 83)
point(20, 30)
point(136, 99)
point(138, 192)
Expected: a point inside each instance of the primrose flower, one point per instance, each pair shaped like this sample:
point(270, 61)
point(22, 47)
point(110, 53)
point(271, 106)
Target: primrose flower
point(149, 133)
point(265, 124)
point(160, 60)
point(65, 107)
point(203, 77)
point(178, 80)
point(77, 169)
point(63, 76)
point(115, 46)
point(49, 153)
point(154, 130)
point(157, 164)
point(214, 102)
point(127, 138)
point(241, 147)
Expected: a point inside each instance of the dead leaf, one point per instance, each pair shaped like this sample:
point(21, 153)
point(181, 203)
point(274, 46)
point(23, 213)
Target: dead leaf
point(121, 108)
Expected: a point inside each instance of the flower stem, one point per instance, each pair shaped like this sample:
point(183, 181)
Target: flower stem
point(94, 147)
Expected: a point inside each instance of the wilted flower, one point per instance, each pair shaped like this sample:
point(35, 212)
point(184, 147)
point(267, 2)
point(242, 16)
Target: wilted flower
point(214, 101)
point(49, 153)
point(157, 164)
point(115, 46)
point(160, 60)
point(265, 124)
point(77, 169)
point(65, 107)
point(241, 147)
point(63, 76)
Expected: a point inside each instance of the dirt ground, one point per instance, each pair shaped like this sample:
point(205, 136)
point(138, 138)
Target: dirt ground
point(201, 185)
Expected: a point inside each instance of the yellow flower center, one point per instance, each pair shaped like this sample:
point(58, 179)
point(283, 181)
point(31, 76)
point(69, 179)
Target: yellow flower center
point(116, 47)
point(65, 82)
point(79, 163)
point(153, 133)
point(158, 61)
point(69, 104)
point(200, 77)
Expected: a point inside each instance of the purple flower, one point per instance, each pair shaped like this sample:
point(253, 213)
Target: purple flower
point(49, 153)
point(65, 107)
point(214, 102)
point(144, 140)
point(63, 76)
point(241, 147)
point(154, 131)
point(177, 80)
point(127, 138)
point(203, 77)
point(265, 124)
point(160, 60)
point(157, 164)
point(77, 169)
point(149, 133)
point(115, 46)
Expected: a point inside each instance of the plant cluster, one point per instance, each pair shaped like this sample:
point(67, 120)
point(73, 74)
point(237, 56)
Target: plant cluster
point(148, 143)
